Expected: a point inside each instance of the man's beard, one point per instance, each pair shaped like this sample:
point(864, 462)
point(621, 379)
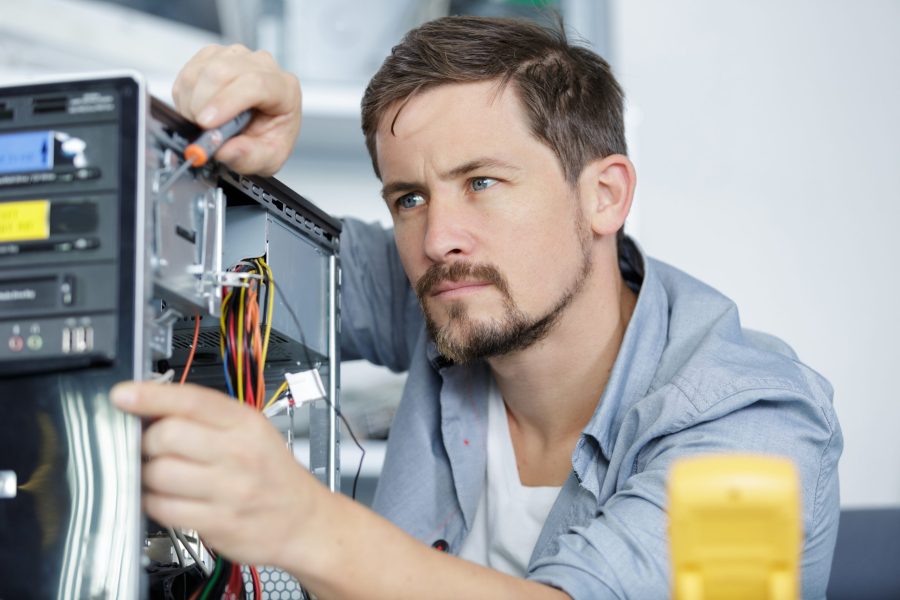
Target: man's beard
point(514, 331)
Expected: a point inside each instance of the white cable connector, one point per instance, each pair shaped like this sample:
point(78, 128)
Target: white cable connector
point(304, 386)
point(278, 407)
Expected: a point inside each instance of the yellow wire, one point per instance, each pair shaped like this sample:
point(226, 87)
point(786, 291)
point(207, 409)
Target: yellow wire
point(240, 348)
point(271, 301)
point(275, 396)
point(223, 337)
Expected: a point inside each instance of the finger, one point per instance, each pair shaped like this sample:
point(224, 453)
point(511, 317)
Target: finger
point(191, 402)
point(216, 74)
point(252, 156)
point(181, 437)
point(180, 478)
point(182, 89)
point(175, 511)
point(259, 84)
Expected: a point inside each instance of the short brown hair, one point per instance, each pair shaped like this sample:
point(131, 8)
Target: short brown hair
point(569, 94)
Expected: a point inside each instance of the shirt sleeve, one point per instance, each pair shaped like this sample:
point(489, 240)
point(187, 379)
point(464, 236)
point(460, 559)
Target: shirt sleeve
point(380, 315)
point(623, 551)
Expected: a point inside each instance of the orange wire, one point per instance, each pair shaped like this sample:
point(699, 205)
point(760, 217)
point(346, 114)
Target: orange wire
point(249, 315)
point(187, 368)
point(255, 333)
point(187, 365)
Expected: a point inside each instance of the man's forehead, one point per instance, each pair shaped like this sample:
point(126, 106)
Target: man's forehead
point(453, 117)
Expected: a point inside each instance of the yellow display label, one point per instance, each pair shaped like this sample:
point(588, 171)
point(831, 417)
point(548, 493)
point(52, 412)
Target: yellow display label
point(24, 221)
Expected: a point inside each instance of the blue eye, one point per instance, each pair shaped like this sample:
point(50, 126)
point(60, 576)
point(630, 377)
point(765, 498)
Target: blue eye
point(482, 183)
point(412, 200)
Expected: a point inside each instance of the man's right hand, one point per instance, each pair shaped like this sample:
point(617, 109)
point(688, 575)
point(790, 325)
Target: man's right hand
point(221, 81)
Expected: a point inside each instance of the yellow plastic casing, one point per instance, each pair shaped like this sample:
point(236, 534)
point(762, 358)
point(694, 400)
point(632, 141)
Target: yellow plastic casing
point(735, 528)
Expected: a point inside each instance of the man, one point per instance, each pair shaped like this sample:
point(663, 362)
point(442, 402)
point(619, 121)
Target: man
point(555, 373)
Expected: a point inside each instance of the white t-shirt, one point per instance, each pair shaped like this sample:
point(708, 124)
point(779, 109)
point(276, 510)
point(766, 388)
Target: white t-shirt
point(510, 516)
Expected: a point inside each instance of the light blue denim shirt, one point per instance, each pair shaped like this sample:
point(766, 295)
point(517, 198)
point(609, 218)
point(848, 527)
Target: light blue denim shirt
point(687, 380)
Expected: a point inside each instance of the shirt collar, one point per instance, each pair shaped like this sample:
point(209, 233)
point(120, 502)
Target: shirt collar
point(642, 346)
point(437, 360)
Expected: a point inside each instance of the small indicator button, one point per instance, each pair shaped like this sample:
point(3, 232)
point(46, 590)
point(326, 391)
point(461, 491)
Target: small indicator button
point(67, 290)
point(16, 343)
point(35, 342)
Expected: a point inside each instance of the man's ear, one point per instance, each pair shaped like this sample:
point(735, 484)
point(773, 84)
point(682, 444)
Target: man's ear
point(606, 187)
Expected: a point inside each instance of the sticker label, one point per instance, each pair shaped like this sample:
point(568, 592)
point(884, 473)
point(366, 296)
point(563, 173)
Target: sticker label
point(24, 221)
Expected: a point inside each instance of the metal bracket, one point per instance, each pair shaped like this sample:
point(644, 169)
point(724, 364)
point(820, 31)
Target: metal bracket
point(212, 209)
point(161, 333)
point(232, 279)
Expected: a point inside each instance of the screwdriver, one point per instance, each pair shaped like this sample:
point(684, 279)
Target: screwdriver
point(198, 153)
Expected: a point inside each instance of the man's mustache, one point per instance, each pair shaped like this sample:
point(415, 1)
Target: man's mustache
point(459, 271)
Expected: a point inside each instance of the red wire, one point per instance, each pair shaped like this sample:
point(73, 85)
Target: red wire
point(248, 393)
point(232, 344)
point(257, 586)
point(237, 580)
point(187, 365)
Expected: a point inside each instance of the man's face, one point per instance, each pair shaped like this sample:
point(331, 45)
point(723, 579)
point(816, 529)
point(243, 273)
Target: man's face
point(489, 231)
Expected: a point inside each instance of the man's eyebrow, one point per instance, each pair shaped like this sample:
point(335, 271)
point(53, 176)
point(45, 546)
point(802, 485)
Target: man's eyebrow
point(399, 186)
point(458, 171)
point(478, 164)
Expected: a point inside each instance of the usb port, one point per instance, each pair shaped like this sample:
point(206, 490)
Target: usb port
point(89, 337)
point(66, 340)
point(79, 340)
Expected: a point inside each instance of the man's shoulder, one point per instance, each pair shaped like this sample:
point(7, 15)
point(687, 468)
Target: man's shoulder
point(714, 361)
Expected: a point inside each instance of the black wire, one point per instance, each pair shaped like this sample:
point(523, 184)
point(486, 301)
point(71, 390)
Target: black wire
point(222, 583)
point(336, 409)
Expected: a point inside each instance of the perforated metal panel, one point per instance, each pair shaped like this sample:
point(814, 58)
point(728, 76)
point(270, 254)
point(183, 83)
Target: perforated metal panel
point(276, 584)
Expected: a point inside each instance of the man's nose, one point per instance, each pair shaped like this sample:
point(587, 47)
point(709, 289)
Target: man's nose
point(449, 232)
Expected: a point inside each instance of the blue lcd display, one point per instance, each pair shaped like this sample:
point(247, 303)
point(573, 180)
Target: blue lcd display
point(28, 151)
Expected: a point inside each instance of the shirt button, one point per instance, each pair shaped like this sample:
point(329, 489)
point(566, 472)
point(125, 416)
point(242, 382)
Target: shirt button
point(441, 545)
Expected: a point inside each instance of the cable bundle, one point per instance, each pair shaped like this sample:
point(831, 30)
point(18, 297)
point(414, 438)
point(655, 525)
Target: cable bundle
point(245, 328)
point(244, 332)
point(227, 582)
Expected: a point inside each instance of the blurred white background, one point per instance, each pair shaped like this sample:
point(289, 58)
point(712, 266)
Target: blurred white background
point(766, 137)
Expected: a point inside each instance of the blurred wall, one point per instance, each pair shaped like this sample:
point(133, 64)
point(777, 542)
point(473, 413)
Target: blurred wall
point(767, 141)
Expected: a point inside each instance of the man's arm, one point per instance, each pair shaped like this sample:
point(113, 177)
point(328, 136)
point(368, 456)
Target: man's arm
point(221, 468)
point(380, 315)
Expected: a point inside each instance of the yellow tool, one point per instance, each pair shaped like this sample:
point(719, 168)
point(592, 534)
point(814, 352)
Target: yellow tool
point(735, 528)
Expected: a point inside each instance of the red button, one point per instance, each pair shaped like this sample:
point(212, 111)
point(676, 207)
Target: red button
point(16, 343)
